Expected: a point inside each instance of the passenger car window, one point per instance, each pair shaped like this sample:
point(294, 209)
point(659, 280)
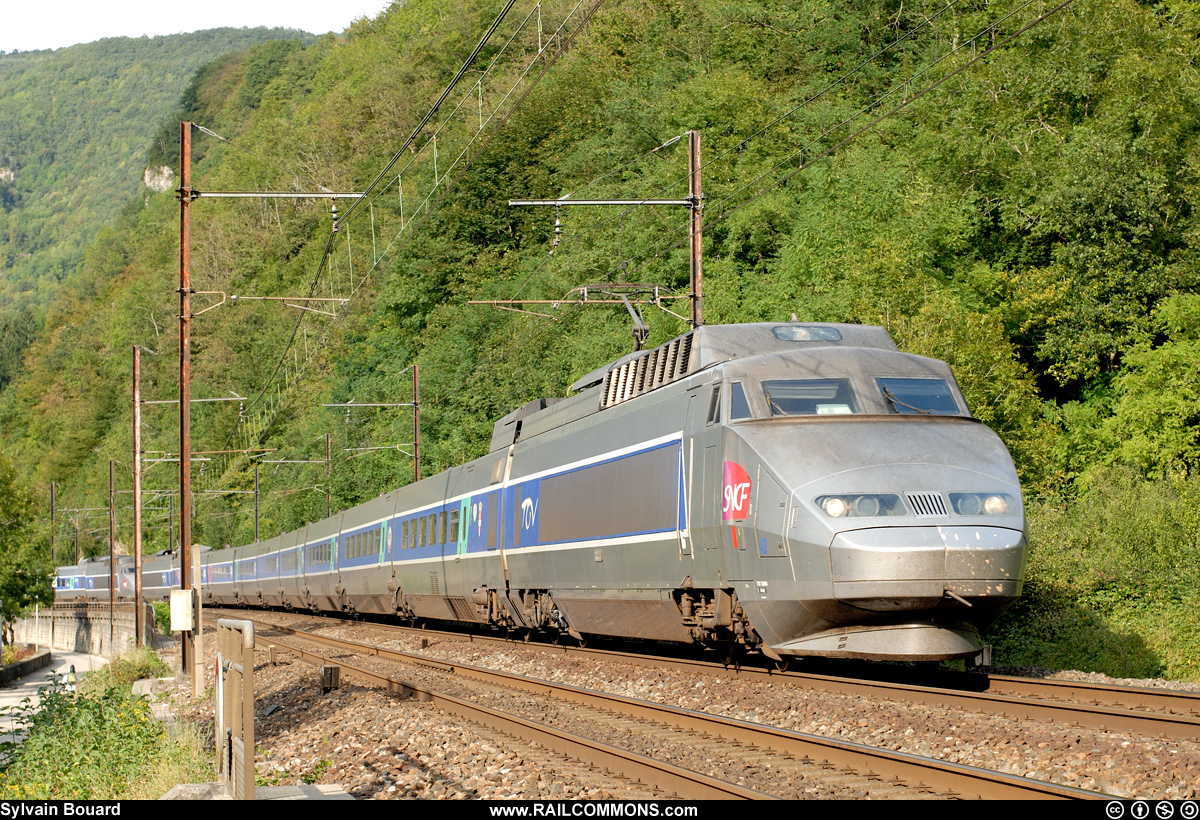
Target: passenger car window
point(930, 397)
point(809, 397)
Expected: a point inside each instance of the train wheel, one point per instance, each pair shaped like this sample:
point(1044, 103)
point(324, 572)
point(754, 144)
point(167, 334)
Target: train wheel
point(729, 654)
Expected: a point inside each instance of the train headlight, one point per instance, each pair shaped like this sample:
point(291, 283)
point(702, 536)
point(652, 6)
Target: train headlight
point(835, 507)
point(981, 503)
point(995, 505)
point(970, 505)
point(864, 505)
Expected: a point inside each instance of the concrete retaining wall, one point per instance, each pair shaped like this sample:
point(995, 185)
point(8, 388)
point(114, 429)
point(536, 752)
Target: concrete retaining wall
point(87, 627)
point(22, 668)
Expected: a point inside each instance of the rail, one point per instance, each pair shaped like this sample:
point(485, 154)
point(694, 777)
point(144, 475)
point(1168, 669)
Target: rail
point(958, 779)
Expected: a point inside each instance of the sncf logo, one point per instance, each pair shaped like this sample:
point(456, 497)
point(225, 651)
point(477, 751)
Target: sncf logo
point(736, 492)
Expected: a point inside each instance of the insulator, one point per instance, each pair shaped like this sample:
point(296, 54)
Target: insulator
point(557, 232)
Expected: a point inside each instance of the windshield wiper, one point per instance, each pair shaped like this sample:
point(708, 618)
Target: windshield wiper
point(776, 410)
point(891, 397)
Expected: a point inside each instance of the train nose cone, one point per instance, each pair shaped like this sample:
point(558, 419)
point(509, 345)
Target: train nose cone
point(912, 568)
point(908, 575)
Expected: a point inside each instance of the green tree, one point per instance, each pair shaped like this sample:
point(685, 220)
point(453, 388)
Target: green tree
point(25, 569)
point(1155, 424)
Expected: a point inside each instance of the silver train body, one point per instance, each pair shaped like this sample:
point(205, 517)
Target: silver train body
point(799, 489)
point(91, 578)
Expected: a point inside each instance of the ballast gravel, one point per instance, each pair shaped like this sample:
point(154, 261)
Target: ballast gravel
point(378, 745)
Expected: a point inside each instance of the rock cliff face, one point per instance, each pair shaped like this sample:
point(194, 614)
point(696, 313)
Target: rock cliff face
point(159, 179)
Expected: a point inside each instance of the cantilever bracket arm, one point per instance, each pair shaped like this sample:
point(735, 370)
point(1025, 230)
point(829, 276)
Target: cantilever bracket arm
point(210, 293)
point(641, 330)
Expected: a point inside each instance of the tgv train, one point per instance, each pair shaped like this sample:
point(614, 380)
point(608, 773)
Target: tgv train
point(799, 489)
point(91, 578)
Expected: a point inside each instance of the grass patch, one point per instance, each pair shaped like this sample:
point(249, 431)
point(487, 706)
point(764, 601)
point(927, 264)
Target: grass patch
point(123, 671)
point(100, 744)
point(1112, 583)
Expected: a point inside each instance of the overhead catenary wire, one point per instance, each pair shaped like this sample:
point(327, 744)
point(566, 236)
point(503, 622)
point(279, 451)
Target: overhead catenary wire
point(842, 79)
point(597, 226)
point(927, 22)
point(421, 206)
point(326, 252)
point(549, 63)
point(384, 260)
point(457, 108)
point(663, 248)
point(432, 111)
point(263, 160)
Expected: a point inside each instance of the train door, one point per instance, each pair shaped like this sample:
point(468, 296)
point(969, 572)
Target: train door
point(337, 544)
point(464, 518)
point(687, 460)
point(454, 564)
point(465, 508)
point(291, 562)
point(770, 517)
point(706, 499)
point(392, 546)
point(302, 579)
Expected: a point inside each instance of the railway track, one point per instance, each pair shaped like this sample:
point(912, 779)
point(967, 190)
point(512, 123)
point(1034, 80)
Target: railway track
point(657, 743)
point(1163, 713)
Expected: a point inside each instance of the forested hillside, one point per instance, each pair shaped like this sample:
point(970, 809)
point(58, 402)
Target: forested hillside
point(74, 128)
point(1022, 209)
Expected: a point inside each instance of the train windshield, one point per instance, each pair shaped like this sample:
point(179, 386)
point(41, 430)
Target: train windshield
point(930, 397)
point(809, 397)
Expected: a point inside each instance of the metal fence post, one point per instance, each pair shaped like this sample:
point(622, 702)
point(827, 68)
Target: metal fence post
point(235, 705)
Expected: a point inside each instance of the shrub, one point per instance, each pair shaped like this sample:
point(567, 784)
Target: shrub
point(100, 744)
point(11, 654)
point(87, 747)
point(162, 616)
point(1112, 580)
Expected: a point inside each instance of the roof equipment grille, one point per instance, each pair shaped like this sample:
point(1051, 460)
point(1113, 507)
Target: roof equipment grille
point(651, 370)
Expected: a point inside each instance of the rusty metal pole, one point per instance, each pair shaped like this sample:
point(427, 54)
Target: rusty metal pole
point(198, 678)
point(112, 553)
point(416, 422)
point(256, 503)
point(52, 558)
point(191, 663)
point(137, 493)
point(697, 238)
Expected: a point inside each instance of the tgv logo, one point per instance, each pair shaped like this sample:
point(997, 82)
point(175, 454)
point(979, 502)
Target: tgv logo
point(528, 513)
point(736, 492)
